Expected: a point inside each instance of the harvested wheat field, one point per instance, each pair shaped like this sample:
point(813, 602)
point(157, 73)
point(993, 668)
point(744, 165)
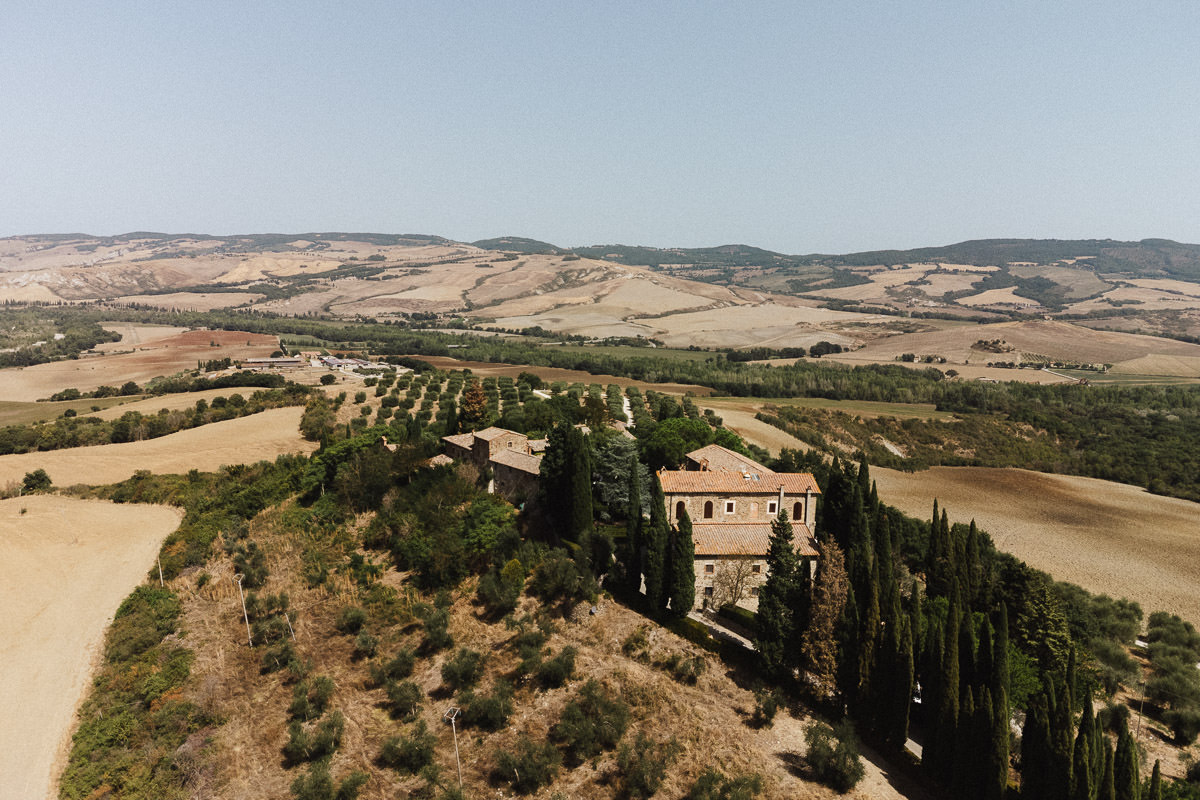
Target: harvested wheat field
point(66, 566)
point(1108, 537)
point(258, 437)
point(148, 359)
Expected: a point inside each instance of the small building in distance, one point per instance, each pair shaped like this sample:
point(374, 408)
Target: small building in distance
point(285, 362)
point(732, 500)
point(511, 457)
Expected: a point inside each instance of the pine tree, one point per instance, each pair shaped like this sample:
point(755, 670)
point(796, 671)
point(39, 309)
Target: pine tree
point(776, 618)
point(683, 579)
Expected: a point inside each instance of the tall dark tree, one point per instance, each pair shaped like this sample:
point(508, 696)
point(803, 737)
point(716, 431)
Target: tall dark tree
point(1035, 750)
point(1108, 786)
point(657, 534)
point(830, 589)
point(776, 622)
point(474, 412)
point(1126, 782)
point(1060, 739)
point(580, 484)
point(683, 559)
point(1154, 791)
point(631, 548)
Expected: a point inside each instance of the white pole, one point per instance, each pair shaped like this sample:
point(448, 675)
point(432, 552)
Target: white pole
point(245, 616)
point(160, 577)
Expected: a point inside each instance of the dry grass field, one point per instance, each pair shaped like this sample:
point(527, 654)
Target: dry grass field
point(138, 361)
point(237, 441)
point(1108, 537)
point(66, 566)
point(192, 301)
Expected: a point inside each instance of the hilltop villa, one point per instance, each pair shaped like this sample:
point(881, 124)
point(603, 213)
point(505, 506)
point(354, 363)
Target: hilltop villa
point(513, 458)
point(731, 500)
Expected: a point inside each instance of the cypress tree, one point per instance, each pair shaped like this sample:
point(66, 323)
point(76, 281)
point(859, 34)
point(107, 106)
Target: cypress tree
point(965, 755)
point(580, 485)
point(967, 649)
point(631, 550)
point(1061, 750)
point(656, 549)
point(981, 738)
point(900, 701)
point(775, 619)
point(1126, 782)
point(800, 604)
point(819, 646)
point(973, 567)
point(1081, 771)
point(1108, 789)
point(868, 642)
point(1155, 790)
point(1086, 738)
point(949, 707)
point(1035, 746)
point(683, 560)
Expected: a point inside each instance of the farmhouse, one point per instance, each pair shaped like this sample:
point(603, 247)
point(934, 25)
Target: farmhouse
point(513, 458)
point(731, 501)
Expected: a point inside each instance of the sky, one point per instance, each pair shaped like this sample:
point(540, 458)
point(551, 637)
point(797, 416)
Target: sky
point(798, 127)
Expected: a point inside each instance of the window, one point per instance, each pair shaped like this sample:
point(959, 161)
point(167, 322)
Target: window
point(679, 510)
point(773, 508)
point(756, 568)
point(709, 569)
point(798, 511)
point(708, 591)
point(708, 509)
point(728, 506)
point(754, 591)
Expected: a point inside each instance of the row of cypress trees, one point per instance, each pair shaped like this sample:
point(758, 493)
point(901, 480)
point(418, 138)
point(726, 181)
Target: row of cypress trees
point(862, 633)
point(661, 554)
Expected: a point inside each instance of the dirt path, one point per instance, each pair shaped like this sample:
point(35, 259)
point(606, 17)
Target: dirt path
point(236, 441)
point(65, 566)
point(1108, 537)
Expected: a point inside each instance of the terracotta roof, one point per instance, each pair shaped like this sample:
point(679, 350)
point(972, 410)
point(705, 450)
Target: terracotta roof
point(521, 461)
point(466, 440)
point(692, 482)
point(722, 459)
point(538, 445)
point(487, 434)
point(746, 539)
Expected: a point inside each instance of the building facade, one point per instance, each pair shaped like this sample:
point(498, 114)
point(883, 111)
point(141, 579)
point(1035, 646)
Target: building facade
point(510, 456)
point(731, 501)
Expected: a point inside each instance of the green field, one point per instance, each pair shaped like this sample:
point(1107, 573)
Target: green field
point(1126, 379)
point(14, 413)
point(628, 351)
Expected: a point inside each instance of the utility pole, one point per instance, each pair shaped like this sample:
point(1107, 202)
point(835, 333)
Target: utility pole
point(160, 577)
point(245, 616)
point(451, 716)
point(1138, 734)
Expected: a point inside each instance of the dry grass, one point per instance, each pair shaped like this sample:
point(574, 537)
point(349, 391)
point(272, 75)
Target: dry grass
point(236, 441)
point(709, 719)
point(67, 565)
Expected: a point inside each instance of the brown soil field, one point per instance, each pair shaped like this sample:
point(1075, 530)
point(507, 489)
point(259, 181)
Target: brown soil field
point(192, 301)
point(1058, 340)
point(66, 566)
point(741, 421)
point(134, 336)
point(1108, 537)
point(159, 357)
point(209, 447)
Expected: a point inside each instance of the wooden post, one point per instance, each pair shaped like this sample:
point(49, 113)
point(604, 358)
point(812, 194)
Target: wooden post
point(245, 615)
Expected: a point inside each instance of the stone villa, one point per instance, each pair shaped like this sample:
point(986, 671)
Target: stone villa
point(731, 501)
point(513, 458)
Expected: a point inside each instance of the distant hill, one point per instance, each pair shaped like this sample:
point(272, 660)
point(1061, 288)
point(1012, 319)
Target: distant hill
point(519, 244)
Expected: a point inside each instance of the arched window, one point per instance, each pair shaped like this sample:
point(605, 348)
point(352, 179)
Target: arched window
point(798, 512)
point(679, 510)
point(708, 509)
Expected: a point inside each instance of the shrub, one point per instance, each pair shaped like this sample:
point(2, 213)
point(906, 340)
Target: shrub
point(351, 619)
point(410, 753)
point(685, 669)
point(592, 722)
point(36, 481)
point(489, 712)
point(400, 666)
point(637, 643)
point(328, 379)
point(530, 766)
point(712, 785)
point(437, 631)
point(318, 785)
point(463, 670)
point(311, 698)
point(558, 579)
point(833, 755)
point(1184, 724)
point(404, 699)
point(642, 766)
point(365, 646)
point(766, 705)
point(558, 670)
point(1113, 717)
point(249, 560)
point(280, 655)
point(303, 745)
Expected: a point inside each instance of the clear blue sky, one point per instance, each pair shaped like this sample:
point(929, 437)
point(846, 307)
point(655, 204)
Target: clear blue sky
point(800, 127)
